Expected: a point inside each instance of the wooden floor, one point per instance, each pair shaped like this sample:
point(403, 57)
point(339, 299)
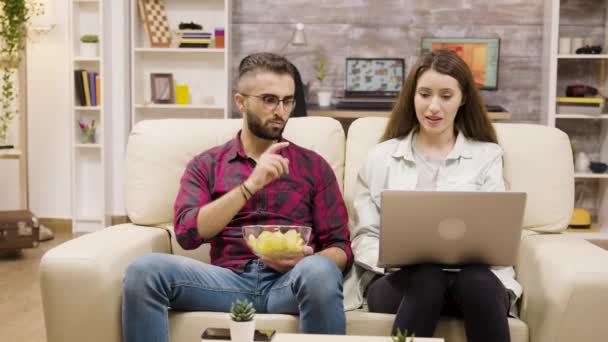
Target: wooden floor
point(21, 316)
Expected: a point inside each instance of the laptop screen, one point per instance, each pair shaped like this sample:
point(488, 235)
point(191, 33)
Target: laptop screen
point(374, 77)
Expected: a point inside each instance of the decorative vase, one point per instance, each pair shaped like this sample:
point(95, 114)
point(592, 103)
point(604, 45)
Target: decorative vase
point(88, 49)
point(242, 331)
point(324, 98)
point(88, 137)
point(6, 137)
point(3, 139)
point(182, 94)
point(582, 162)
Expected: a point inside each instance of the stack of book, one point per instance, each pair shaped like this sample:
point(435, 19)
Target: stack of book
point(580, 105)
point(194, 39)
point(88, 88)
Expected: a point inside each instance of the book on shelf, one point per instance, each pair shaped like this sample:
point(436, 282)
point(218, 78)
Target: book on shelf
point(194, 39)
point(93, 90)
point(79, 85)
point(580, 105)
point(583, 100)
point(87, 88)
point(98, 89)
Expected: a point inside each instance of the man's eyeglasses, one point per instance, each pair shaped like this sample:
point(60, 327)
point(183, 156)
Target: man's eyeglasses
point(271, 102)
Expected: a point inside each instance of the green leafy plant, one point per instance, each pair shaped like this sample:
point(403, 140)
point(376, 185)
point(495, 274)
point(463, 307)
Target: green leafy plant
point(321, 70)
point(242, 311)
point(402, 336)
point(89, 38)
point(14, 16)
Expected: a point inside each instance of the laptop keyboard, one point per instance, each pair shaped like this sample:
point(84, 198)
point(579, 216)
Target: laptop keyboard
point(495, 109)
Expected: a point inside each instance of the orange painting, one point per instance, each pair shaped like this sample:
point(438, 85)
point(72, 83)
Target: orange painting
point(475, 55)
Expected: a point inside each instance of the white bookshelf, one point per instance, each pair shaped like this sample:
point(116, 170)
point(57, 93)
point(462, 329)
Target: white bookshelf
point(91, 188)
point(575, 56)
point(206, 71)
point(562, 69)
point(179, 50)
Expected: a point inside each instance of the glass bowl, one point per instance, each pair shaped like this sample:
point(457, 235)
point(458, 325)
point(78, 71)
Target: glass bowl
point(276, 240)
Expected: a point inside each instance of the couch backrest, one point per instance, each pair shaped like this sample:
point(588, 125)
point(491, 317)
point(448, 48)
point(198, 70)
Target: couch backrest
point(159, 150)
point(537, 160)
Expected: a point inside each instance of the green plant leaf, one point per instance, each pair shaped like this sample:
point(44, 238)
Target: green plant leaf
point(14, 15)
point(242, 311)
point(89, 38)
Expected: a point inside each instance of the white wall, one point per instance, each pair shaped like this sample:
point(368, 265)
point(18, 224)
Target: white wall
point(49, 117)
point(121, 122)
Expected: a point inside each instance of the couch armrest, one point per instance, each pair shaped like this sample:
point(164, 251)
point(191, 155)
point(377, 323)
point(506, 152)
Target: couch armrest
point(565, 281)
point(81, 281)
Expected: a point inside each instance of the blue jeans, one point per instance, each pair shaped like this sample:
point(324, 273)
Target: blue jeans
point(156, 282)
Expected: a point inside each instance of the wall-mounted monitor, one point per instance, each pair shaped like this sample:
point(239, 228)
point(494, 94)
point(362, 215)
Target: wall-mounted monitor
point(480, 54)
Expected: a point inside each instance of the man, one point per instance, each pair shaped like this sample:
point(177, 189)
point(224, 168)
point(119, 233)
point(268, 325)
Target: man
point(256, 178)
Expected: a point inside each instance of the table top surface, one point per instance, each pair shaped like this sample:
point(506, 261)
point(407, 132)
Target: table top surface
point(281, 337)
point(362, 113)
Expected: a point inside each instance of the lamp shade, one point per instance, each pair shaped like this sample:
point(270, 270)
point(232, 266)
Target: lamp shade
point(298, 36)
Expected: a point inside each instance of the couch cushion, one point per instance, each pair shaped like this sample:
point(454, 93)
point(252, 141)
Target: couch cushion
point(363, 134)
point(537, 160)
point(188, 326)
point(159, 150)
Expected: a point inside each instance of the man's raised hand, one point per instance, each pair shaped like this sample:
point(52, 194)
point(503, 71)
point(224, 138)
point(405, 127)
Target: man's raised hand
point(270, 166)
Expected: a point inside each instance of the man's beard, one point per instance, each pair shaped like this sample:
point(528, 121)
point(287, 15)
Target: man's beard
point(257, 127)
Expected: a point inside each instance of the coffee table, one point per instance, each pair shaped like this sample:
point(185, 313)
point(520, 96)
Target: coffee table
point(281, 337)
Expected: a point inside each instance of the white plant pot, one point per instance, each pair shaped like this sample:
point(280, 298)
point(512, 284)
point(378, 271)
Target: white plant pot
point(242, 331)
point(324, 98)
point(582, 162)
point(88, 49)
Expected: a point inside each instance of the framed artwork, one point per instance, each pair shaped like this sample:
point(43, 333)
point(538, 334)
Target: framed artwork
point(162, 88)
point(156, 23)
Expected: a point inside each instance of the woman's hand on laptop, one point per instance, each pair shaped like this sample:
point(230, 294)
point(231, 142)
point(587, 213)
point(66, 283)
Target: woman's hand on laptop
point(283, 264)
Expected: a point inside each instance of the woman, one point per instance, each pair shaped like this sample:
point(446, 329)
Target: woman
point(439, 138)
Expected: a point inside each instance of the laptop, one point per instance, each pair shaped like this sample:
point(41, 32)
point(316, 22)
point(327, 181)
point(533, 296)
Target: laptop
point(450, 228)
point(372, 83)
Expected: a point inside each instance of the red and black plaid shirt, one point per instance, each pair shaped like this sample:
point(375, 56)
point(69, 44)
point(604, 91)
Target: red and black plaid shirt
point(309, 196)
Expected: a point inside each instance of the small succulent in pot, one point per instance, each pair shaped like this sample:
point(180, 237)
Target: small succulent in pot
point(242, 311)
point(242, 325)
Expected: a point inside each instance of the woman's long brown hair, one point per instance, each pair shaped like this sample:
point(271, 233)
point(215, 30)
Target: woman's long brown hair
point(471, 120)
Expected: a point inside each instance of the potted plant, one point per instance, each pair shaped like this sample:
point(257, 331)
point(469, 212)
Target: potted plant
point(242, 325)
point(87, 131)
point(14, 16)
point(89, 45)
point(402, 337)
point(323, 94)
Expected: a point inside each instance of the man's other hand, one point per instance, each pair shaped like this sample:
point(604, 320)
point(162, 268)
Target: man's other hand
point(283, 264)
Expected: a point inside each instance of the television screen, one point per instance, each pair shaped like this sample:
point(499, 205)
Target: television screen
point(480, 54)
point(374, 76)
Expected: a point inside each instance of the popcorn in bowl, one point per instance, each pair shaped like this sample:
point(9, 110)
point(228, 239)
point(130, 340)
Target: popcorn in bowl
point(276, 240)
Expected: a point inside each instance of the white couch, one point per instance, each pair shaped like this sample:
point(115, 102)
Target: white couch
point(565, 279)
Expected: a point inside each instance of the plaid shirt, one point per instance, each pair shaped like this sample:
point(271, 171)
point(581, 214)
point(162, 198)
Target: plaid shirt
point(309, 196)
